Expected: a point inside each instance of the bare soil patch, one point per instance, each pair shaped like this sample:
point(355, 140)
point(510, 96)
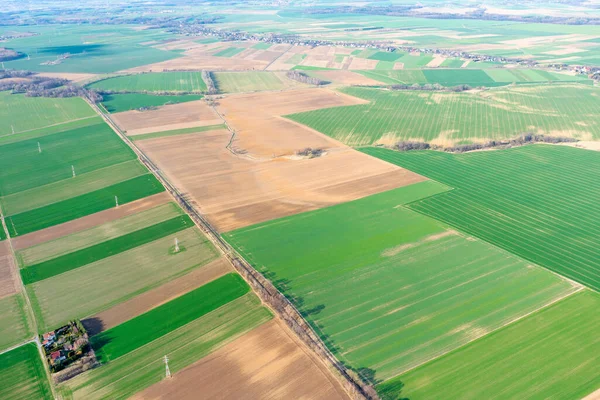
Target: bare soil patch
point(73, 77)
point(146, 301)
point(593, 396)
point(166, 118)
point(9, 280)
point(436, 62)
point(346, 78)
point(362, 63)
point(261, 131)
point(234, 191)
point(199, 59)
point(90, 221)
point(265, 363)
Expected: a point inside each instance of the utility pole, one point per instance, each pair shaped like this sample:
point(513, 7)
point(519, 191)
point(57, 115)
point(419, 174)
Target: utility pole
point(116, 201)
point(73, 170)
point(167, 371)
point(176, 245)
point(39, 148)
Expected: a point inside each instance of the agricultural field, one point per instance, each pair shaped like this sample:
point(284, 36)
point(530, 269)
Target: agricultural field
point(114, 103)
point(176, 132)
point(24, 114)
point(15, 323)
point(557, 348)
point(393, 288)
point(449, 118)
point(533, 201)
point(101, 284)
point(229, 52)
point(138, 369)
point(236, 82)
point(153, 82)
point(23, 374)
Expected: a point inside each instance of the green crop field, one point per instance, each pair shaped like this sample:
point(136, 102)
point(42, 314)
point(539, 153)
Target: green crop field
point(566, 110)
point(101, 233)
point(385, 56)
point(86, 204)
point(133, 372)
point(23, 166)
point(175, 132)
point(229, 52)
point(15, 324)
point(50, 130)
point(392, 288)
point(262, 46)
point(82, 257)
point(153, 82)
point(550, 354)
point(533, 201)
point(97, 286)
point(114, 103)
point(23, 374)
point(64, 189)
point(235, 82)
point(145, 328)
point(27, 113)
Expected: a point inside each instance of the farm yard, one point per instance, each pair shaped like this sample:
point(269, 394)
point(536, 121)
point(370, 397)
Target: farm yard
point(408, 281)
point(453, 118)
point(153, 82)
point(532, 201)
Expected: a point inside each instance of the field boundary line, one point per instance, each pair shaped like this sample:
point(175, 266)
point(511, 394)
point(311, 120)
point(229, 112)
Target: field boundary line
point(578, 289)
point(16, 346)
point(48, 126)
point(266, 291)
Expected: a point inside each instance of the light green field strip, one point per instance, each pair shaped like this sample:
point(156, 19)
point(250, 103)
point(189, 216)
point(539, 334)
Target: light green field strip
point(176, 132)
point(393, 288)
point(229, 52)
point(153, 82)
point(95, 287)
point(295, 59)
point(99, 234)
point(25, 113)
point(49, 130)
point(552, 354)
point(15, 323)
point(23, 375)
point(67, 188)
point(235, 82)
point(143, 367)
point(557, 109)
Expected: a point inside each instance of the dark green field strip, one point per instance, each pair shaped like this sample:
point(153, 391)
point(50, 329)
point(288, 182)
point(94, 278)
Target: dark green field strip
point(80, 206)
point(168, 317)
point(535, 201)
point(102, 250)
point(23, 374)
point(2, 234)
point(385, 56)
point(455, 77)
point(115, 103)
point(175, 132)
point(23, 167)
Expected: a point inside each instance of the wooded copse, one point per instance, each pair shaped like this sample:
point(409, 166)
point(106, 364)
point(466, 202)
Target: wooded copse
point(211, 88)
point(303, 78)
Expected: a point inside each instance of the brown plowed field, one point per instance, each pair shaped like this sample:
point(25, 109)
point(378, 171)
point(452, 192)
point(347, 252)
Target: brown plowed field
point(166, 118)
point(9, 283)
point(138, 305)
point(265, 363)
point(90, 221)
point(198, 59)
point(262, 133)
point(234, 191)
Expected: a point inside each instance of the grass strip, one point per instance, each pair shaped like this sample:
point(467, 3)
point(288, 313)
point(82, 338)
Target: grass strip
point(158, 322)
point(86, 204)
point(175, 132)
point(105, 249)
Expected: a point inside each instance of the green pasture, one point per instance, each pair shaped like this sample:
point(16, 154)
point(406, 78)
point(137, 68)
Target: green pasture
point(15, 323)
point(114, 103)
point(175, 132)
point(262, 46)
point(79, 258)
point(41, 161)
point(71, 187)
point(100, 285)
point(229, 52)
point(391, 116)
point(123, 377)
point(143, 329)
point(102, 233)
point(534, 201)
point(552, 353)
point(23, 374)
point(392, 288)
point(235, 82)
point(385, 56)
point(86, 204)
point(25, 114)
point(153, 82)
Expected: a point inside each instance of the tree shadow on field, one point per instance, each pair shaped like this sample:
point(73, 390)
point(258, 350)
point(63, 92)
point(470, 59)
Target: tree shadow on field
point(73, 49)
point(93, 325)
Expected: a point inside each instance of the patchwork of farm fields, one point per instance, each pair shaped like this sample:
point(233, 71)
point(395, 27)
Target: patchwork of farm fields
point(114, 103)
point(237, 82)
point(153, 82)
point(15, 323)
point(550, 354)
point(392, 288)
point(534, 201)
point(23, 374)
point(449, 118)
point(28, 113)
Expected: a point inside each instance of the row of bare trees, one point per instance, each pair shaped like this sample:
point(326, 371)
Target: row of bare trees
point(303, 78)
